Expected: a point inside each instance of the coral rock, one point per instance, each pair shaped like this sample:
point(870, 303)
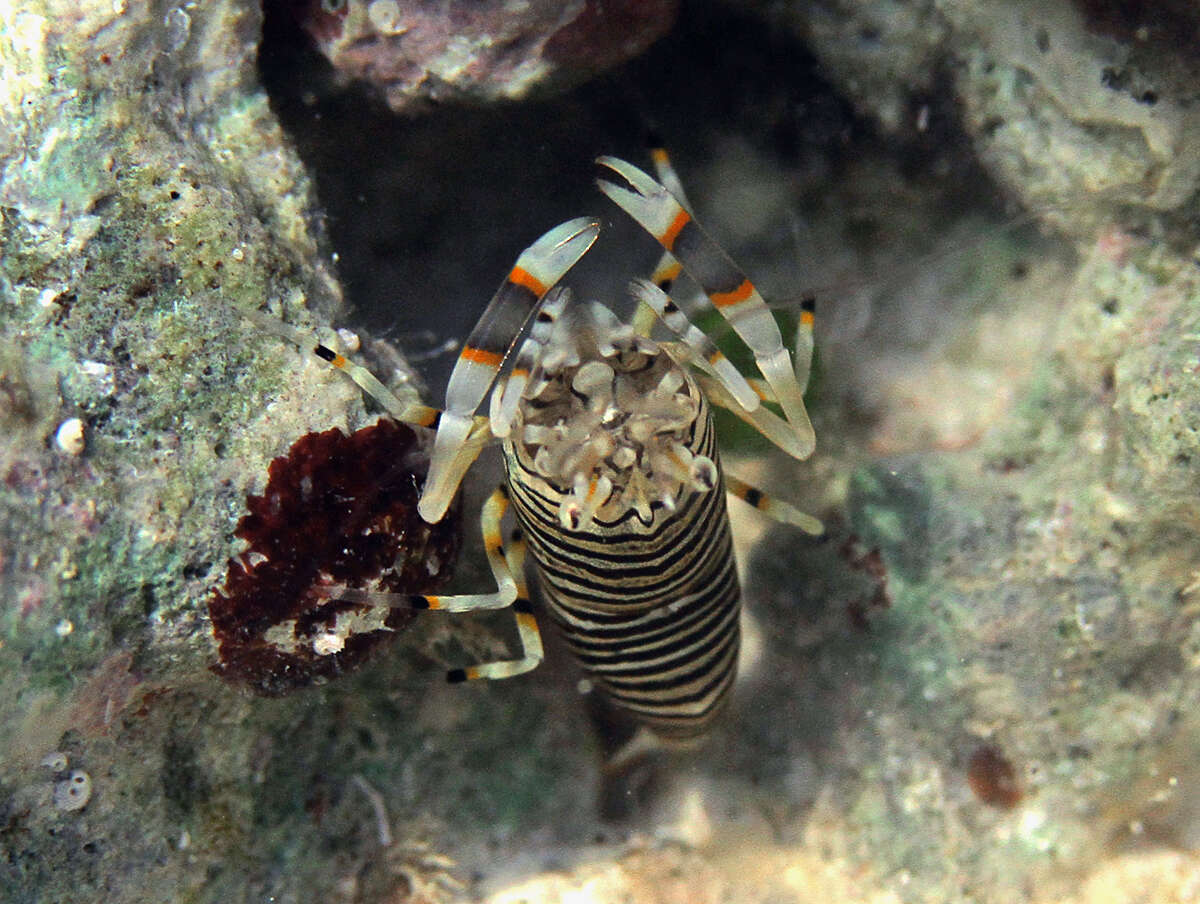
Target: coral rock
point(467, 50)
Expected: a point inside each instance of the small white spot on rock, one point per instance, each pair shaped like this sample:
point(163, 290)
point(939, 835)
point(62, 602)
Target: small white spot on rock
point(64, 627)
point(55, 761)
point(47, 297)
point(69, 437)
point(385, 16)
point(328, 643)
point(74, 791)
point(101, 376)
point(179, 28)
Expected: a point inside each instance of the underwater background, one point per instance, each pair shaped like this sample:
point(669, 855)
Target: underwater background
point(980, 685)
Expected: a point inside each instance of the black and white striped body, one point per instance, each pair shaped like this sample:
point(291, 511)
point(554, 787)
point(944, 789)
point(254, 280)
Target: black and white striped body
point(645, 590)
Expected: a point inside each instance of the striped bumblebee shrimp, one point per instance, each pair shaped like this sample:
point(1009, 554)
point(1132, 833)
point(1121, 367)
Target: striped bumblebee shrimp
point(611, 460)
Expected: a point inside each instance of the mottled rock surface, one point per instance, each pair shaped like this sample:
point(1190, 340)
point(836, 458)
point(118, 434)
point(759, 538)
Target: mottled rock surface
point(982, 686)
point(420, 54)
point(1084, 104)
point(148, 194)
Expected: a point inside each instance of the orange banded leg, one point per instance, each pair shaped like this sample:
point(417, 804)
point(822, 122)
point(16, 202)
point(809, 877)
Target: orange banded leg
point(493, 544)
point(527, 630)
point(762, 419)
point(475, 438)
point(507, 394)
point(772, 507)
point(508, 566)
point(730, 291)
point(665, 171)
point(409, 412)
point(702, 347)
point(663, 277)
point(421, 415)
point(538, 268)
point(803, 354)
point(668, 268)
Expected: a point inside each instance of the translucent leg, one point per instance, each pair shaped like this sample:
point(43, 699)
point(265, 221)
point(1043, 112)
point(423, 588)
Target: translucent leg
point(409, 413)
point(507, 395)
point(729, 290)
point(538, 268)
point(762, 419)
point(702, 347)
point(508, 566)
point(493, 544)
point(772, 507)
point(527, 629)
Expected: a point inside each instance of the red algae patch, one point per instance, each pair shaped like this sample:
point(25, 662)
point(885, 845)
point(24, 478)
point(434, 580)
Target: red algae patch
point(992, 777)
point(338, 512)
